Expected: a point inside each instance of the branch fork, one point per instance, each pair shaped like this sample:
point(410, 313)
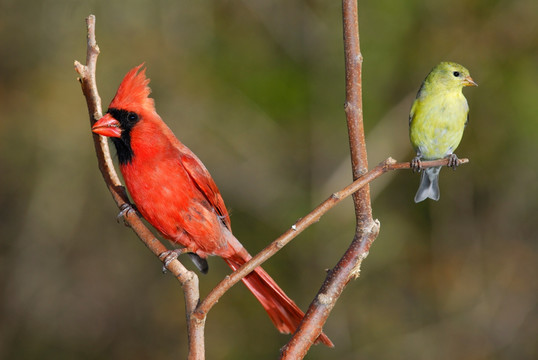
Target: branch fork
point(347, 268)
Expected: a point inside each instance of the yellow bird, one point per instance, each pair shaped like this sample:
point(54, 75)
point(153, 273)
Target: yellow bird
point(436, 122)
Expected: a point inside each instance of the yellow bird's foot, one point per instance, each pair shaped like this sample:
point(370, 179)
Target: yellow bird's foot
point(416, 164)
point(453, 161)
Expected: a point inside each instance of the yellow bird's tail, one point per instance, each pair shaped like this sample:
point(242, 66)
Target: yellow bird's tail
point(429, 185)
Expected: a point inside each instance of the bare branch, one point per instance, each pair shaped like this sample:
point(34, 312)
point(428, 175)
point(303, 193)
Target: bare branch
point(187, 279)
point(366, 229)
point(353, 108)
point(347, 268)
point(302, 224)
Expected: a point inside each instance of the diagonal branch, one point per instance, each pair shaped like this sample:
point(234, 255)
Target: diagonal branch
point(187, 279)
point(302, 224)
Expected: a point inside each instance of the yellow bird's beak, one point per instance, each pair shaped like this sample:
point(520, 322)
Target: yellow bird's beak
point(468, 81)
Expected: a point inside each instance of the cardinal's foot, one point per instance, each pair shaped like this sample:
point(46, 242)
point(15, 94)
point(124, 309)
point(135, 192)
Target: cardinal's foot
point(124, 210)
point(168, 256)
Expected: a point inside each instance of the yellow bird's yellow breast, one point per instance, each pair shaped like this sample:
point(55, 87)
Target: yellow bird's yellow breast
point(437, 123)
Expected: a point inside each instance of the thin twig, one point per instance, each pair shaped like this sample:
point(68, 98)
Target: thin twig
point(187, 279)
point(302, 224)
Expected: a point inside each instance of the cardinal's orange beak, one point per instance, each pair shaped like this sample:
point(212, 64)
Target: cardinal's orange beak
point(107, 126)
point(468, 81)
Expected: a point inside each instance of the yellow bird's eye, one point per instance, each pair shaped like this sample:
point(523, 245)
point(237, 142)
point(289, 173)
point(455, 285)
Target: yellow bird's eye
point(456, 73)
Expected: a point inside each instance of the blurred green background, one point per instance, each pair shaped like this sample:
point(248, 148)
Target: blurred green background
point(256, 89)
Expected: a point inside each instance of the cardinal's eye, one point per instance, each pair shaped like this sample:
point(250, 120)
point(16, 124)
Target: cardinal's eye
point(456, 73)
point(132, 117)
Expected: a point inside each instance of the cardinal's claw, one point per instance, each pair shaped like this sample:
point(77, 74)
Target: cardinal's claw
point(168, 256)
point(124, 209)
point(453, 161)
point(416, 164)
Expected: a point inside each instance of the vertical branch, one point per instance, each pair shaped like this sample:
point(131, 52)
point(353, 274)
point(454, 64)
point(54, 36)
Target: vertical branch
point(187, 279)
point(353, 108)
point(88, 83)
point(366, 228)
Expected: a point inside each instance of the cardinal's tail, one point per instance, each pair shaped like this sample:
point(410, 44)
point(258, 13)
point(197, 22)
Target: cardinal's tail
point(281, 309)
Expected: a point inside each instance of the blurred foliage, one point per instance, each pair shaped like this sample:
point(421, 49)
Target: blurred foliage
point(256, 89)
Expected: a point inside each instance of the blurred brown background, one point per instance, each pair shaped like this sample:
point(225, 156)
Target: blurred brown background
point(256, 89)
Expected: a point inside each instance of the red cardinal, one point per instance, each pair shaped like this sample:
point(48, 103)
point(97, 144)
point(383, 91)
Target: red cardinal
point(173, 190)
